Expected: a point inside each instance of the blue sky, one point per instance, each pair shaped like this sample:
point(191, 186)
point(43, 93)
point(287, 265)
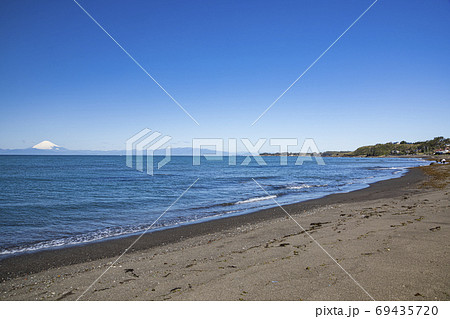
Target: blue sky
point(63, 80)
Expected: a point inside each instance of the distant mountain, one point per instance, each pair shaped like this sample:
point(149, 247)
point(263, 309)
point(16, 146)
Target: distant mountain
point(49, 148)
point(47, 145)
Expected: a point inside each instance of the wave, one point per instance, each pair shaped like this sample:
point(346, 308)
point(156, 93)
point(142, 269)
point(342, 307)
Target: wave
point(295, 187)
point(387, 168)
point(255, 199)
point(304, 186)
point(97, 235)
point(108, 233)
point(72, 240)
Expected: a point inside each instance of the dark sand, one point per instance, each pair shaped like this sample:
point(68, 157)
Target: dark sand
point(391, 238)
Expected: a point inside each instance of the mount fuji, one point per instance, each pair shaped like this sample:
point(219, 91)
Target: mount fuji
point(47, 145)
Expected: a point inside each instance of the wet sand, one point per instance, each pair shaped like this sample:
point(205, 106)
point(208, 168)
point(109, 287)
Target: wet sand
point(387, 242)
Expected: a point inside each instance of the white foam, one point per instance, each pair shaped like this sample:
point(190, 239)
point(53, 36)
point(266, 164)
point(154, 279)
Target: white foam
point(304, 186)
point(390, 168)
point(299, 187)
point(255, 199)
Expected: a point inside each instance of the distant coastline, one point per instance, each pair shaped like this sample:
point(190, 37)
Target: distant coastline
point(439, 146)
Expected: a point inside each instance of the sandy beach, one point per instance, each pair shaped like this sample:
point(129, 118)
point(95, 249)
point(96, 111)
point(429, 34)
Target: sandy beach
point(386, 242)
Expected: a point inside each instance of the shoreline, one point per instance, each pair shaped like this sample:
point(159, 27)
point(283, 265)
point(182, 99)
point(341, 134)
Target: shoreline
point(34, 262)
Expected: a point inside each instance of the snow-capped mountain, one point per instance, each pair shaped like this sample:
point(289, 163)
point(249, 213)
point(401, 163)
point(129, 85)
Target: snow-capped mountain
point(46, 145)
point(42, 148)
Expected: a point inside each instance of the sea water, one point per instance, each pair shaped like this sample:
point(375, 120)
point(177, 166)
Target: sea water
point(56, 201)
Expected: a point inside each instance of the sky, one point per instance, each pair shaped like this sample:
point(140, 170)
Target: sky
point(64, 80)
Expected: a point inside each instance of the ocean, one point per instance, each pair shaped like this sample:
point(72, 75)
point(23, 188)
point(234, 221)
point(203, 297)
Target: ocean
point(48, 202)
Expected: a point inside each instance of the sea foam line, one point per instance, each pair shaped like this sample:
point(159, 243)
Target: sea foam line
point(255, 199)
